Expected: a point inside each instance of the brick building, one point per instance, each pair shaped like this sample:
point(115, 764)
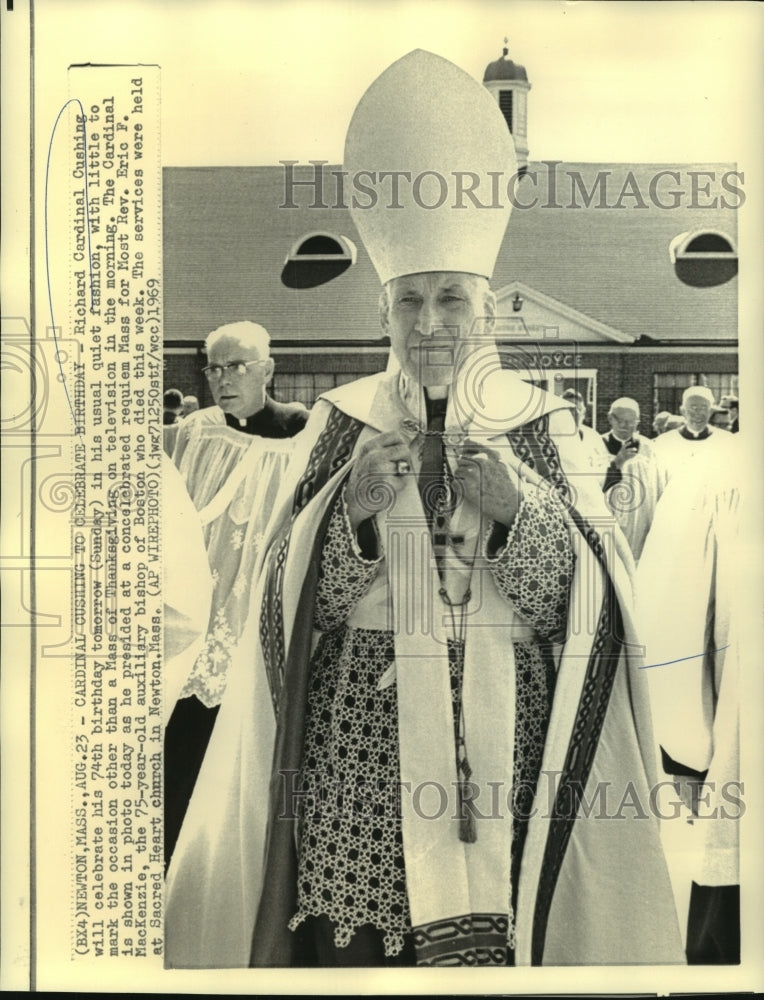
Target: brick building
point(619, 279)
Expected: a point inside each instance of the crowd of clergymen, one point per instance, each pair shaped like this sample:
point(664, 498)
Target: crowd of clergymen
point(641, 467)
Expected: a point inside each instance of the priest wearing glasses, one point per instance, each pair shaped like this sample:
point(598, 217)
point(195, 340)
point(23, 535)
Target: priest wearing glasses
point(231, 456)
point(444, 660)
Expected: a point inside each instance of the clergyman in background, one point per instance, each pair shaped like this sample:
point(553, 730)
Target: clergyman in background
point(232, 456)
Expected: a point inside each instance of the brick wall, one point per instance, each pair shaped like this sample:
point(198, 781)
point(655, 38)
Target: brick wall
point(631, 373)
point(619, 373)
point(183, 371)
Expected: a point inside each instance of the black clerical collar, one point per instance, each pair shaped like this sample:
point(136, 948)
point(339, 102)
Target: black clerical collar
point(256, 423)
point(690, 436)
point(614, 444)
point(435, 407)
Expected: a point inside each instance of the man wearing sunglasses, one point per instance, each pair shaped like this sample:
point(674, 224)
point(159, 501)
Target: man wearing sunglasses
point(232, 456)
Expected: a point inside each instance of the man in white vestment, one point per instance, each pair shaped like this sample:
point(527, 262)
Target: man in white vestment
point(186, 609)
point(688, 611)
point(597, 457)
point(631, 482)
point(231, 456)
point(442, 629)
point(695, 439)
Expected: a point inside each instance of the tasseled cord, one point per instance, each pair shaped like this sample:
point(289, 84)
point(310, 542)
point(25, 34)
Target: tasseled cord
point(467, 810)
point(467, 813)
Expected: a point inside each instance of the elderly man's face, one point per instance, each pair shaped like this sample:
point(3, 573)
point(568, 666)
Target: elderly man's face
point(239, 395)
point(435, 321)
point(696, 410)
point(623, 422)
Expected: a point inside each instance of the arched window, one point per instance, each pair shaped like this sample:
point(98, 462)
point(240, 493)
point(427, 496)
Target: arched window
point(316, 258)
point(703, 258)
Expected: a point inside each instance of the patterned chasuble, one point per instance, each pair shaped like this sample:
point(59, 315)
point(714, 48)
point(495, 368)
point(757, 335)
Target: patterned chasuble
point(351, 862)
point(331, 452)
point(351, 865)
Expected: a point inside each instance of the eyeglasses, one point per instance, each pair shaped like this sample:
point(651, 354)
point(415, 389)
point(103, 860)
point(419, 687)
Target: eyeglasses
point(235, 369)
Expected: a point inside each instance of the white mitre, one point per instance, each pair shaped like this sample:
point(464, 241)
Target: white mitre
point(427, 117)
